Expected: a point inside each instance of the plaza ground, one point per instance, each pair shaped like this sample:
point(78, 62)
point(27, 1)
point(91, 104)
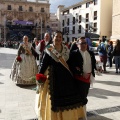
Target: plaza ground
point(18, 103)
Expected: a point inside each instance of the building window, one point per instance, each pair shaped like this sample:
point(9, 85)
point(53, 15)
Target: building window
point(95, 27)
point(20, 8)
point(63, 31)
point(30, 9)
point(80, 18)
point(86, 28)
point(68, 39)
point(79, 30)
point(95, 2)
point(87, 4)
point(68, 21)
point(63, 23)
point(87, 17)
point(9, 7)
point(73, 20)
point(42, 10)
point(66, 30)
point(66, 12)
point(95, 15)
point(77, 7)
point(73, 31)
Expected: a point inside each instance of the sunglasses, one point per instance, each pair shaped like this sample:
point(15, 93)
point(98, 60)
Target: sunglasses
point(82, 43)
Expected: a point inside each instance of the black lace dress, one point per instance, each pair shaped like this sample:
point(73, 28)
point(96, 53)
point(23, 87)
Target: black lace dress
point(59, 94)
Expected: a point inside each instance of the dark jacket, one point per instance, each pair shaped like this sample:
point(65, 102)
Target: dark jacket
point(73, 46)
point(76, 60)
point(109, 50)
point(116, 52)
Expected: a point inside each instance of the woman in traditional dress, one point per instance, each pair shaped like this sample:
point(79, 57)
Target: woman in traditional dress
point(58, 95)
point(24, 67)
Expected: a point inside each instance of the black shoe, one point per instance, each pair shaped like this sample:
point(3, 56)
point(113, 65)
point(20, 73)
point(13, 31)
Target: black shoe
point(116, 72)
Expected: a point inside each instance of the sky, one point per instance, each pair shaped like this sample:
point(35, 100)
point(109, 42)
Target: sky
point(56, 3)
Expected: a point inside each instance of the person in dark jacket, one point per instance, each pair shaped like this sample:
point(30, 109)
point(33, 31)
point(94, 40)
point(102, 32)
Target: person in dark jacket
point(74, 45)
point(102, 51)
point(82, 63)
point(109, 53)
point(34, 44)
point(116, 54)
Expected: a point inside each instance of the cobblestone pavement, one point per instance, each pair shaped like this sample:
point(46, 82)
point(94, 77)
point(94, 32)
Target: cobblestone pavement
point(18, 102)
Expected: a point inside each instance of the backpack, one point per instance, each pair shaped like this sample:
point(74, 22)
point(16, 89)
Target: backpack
point(102, 48)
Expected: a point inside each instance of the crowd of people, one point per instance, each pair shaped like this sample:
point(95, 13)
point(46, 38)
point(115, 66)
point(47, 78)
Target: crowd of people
point(109, 54)
point(63, 73)
point(10, 44)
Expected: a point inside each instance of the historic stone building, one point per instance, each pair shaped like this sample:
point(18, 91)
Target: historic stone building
point(54, 23)
point(23, 17)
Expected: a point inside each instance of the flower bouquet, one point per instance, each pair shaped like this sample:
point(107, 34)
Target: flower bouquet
point(19, 59)
point(41, 78)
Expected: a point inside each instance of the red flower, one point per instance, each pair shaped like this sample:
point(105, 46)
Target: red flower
point(41, 78)
point(19, 59)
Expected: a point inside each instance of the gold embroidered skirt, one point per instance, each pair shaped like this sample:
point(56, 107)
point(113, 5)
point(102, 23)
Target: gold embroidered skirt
point(44, 112)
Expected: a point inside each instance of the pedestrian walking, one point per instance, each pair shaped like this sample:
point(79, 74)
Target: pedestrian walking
point(116, 54)
point(109, 53)
point(102, 51)
point(34, 44)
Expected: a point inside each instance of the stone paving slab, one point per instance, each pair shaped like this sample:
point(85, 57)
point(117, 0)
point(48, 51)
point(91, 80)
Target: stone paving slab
point(16, 102)
point(104, 97)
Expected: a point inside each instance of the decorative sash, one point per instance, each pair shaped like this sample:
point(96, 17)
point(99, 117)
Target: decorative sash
point(81, 78)
point(59, 57)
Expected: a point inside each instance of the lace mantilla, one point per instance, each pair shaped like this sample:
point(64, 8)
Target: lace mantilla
point(51, 92)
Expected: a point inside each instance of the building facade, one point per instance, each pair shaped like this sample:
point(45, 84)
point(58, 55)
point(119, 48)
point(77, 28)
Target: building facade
point(54, 23)
point(115, 20)
point(87, 16)
point(22, 17)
